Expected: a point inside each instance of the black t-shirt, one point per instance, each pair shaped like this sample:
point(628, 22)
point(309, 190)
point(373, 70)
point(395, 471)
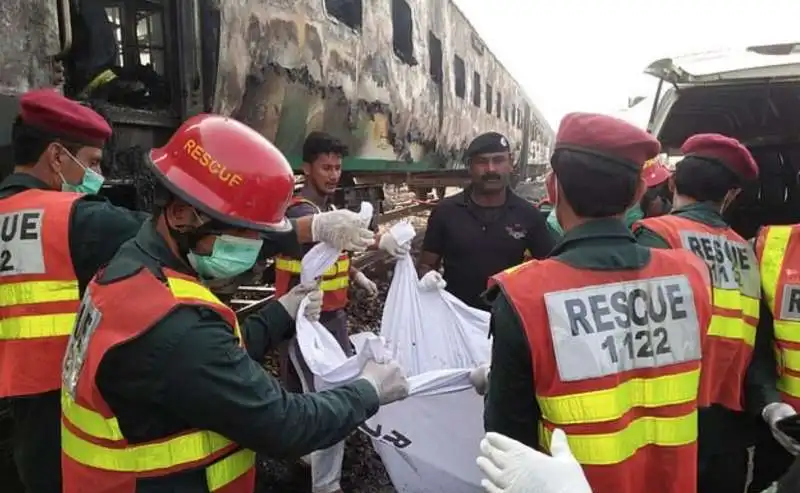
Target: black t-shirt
point(477, 242)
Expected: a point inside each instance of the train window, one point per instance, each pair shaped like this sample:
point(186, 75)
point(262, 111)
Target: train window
point(499, 109)
point(460, 76)
point(513, 114)
point(476, 89)
point(348, 12)
point(403, 32)
point(488, 99)
point(435, 57)
point(144, 44)
point(505, 111)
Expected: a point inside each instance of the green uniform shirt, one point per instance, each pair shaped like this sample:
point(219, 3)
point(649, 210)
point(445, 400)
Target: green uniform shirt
point(720, 428)
point(96, 231)
point(188, 371)
point(510, 405)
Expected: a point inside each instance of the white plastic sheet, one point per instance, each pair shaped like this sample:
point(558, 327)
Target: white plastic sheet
point(429, 441)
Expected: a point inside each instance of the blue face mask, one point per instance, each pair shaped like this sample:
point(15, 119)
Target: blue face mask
point(231, 256)
point(91, 183)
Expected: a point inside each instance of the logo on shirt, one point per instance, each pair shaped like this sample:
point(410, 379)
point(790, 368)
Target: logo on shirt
point(516, 231)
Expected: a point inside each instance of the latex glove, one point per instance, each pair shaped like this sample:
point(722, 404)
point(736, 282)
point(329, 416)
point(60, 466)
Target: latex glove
point(388, 379)
point(292, 299)
point(343, 229)
point(479, 377)
point(366, 284)
point(775, 412)
point(432, 281)
point(511, 467)
point(389, 244)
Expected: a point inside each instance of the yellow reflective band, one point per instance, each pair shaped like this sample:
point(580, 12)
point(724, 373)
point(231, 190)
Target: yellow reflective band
point(225, 471)
point(788, 331)
point(789, 384)
point(732, 328)
point(790, 359)
point(615, 447)
point(33, 292)
point(88, 421)
point(294, 266)
point(335, 284)
point(611, 404)
point(733, 299)
point(772, 260)
point(174, 452)
point(37, 326)
point(190, 290)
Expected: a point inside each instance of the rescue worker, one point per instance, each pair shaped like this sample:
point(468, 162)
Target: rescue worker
point(607, 333)
point(322, 168)
point(482, 230)
point(162, 388)
point(739, 383)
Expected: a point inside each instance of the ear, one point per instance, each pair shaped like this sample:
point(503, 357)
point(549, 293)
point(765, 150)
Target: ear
point(52, 155)
point(671, 184)
point(306, 169)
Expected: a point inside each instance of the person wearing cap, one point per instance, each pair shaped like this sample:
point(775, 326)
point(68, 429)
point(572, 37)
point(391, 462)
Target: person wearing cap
point(738, 370)
point(482, 230)
point(603, 338)
point(163, 389)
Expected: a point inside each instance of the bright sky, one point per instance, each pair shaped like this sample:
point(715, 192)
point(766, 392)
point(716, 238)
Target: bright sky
point(588, 55)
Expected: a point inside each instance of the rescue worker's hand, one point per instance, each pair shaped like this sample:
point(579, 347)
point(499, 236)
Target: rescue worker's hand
point(775, 412)
point(432, 281)
point(366, 284)
point(479, 377)
point(389, 244)
point(388, 379)
point(342, 229)
point(511, 467)
point(291, 301)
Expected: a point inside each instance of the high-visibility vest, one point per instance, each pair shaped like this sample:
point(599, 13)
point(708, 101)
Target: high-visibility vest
point(736, 298)
point(616, 365)
point(335, 280)
point(38, 290)
point(779, 260)
point(96, 456)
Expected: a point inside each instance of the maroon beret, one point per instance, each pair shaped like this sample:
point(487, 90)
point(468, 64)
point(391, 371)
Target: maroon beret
point(608, 137)
point(727, 151)
point(49, 111)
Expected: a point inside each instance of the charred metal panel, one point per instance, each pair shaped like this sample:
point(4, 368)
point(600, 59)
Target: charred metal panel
point(30, 39)
point(287, 67)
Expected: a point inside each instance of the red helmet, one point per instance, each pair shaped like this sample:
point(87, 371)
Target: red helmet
point(228, 171)
point(655, 174)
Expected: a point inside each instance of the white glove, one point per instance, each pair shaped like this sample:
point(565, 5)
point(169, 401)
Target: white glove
point(291, 301)
point(511, 467)
point(389, 244)
point(479, 377)
point(775, 412)
point(388, 379)
point(366, 284)
point(432, 281)
point(342, 229)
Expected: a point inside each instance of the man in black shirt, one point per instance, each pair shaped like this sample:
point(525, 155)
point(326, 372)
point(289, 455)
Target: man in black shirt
point(483, 230)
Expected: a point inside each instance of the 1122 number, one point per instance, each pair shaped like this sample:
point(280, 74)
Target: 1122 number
point(640, 338)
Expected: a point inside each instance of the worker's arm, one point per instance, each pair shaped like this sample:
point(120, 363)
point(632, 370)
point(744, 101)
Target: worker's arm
point(762, 376)
point(510, 404)
point(211, 383)
point(649, 238)
point(97, 230)
point(264, 330)
point(433, 244)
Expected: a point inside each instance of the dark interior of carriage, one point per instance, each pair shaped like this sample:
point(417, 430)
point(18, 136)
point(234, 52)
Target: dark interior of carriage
point(766, 117)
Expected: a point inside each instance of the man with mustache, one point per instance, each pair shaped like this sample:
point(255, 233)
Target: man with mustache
point(483, 230)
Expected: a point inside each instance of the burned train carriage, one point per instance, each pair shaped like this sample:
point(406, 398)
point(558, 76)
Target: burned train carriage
point(405, 83)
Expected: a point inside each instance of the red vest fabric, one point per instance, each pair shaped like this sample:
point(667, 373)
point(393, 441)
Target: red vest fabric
point(736, 298)
point(616, 365)
point(335, 281)
point(38, 290)
point(96, 456)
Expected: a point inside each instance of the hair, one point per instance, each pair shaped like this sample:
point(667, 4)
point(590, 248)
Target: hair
point(594, 186)
point(29, 143)
point(703, 180)
point(318, 143)
point(661, 190)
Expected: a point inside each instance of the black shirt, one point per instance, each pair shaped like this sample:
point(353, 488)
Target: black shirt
point(477, 242)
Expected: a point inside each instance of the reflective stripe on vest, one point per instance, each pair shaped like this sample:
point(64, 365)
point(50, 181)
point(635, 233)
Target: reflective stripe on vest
point(38, 290)
point(92, 438)
point(619, 412)
point(776, 261)
point(736, 301)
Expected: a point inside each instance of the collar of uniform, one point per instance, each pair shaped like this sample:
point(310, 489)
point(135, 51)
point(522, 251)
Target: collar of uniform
point(308, 192)
point(23, 181)
point(153, 244)
point(512, 199)
point(595, 229)
point(705, 212)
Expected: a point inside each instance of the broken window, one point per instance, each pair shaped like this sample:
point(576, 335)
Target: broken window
point(460, 73)
point(499, 105)
point(513, 115)
point(403, 32)
point(435, 57)
point(348, 12)
point(488, 99)
point(476, 89)
point(139, 35)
